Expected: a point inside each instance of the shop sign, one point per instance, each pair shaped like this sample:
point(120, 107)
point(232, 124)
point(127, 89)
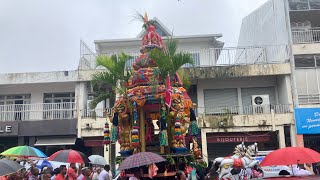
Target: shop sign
point(232, 139)
point(307, 120)
point(9, 128)
point(5, 129)
point(237, 139)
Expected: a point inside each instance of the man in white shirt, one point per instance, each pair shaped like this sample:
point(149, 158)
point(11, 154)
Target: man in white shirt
point(104, 175)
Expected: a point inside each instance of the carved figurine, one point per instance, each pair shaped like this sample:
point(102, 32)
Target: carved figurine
point(124, 131)
point(196, 150)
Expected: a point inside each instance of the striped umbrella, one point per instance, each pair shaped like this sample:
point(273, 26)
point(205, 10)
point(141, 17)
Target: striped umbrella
point(24, 152)
point(140, 159)
point(69, 156)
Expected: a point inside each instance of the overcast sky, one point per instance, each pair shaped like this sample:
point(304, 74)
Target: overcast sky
point(44, 35)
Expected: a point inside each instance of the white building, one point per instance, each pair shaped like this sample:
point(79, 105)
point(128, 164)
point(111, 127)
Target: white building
point(243, 94)
point(293, 22)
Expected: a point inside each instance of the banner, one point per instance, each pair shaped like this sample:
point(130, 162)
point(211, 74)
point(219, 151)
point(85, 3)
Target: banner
point(307, 120)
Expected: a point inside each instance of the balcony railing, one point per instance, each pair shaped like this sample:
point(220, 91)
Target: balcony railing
point(43, 111)
point(302, 37)
point(209, 57)
point(246, 110)
point(309, 98)
point(96, 113)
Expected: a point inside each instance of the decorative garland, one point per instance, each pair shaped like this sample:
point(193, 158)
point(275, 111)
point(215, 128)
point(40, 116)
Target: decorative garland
point(177, 129)
point(135, 128)
point(106, 134)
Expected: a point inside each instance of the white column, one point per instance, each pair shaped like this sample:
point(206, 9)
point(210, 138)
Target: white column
point(200, 98)
point(204, 144)
point(293, 135)
point(240, 101)
point(106, 154)
point(117, 152)
point(281, 137)
point(80, 100)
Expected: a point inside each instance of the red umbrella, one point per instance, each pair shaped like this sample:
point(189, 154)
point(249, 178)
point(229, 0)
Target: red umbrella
point(69, 156)
point(291, 155)
point(140, 159)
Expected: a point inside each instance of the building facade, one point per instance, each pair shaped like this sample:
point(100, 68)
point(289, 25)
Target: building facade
point(295, 23)
point(243, 95)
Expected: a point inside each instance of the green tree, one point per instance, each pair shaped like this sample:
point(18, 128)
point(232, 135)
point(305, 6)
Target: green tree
point(169, 61)
point(114, 73)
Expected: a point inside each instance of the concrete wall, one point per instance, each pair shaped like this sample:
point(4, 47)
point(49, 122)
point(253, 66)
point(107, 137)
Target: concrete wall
point(95, 127)
point(239, 71)
point(311, 48)
point(284, 89)
point(265, 26)
point(256, 120)
point(244, 82)
point(37, 90)
point(36, 77)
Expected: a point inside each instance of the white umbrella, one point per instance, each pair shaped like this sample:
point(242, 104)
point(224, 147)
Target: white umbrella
point(97, 159)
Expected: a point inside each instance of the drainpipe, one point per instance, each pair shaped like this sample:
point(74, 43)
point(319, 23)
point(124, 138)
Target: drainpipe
point(292, 66)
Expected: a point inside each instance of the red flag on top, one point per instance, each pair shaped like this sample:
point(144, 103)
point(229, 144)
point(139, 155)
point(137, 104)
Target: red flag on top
point(168, 91)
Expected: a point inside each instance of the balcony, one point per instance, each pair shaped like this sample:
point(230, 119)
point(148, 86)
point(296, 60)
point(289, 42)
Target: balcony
point(210, 57)
point(43, 111)
point(305, 37)
point(264, 117)
point(246, 110)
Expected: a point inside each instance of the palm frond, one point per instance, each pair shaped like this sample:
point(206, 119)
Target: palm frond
point(99, 97)
point(138, 17)
point(180, 59)
point(185, 78)
point(162, 61)
point(105, 61)
point(171, 46)
point(103, 77)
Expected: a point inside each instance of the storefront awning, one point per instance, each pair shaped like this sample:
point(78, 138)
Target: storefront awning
point(55, 141)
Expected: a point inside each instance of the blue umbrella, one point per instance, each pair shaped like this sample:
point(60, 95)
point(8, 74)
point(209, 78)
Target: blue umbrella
point(40, 164)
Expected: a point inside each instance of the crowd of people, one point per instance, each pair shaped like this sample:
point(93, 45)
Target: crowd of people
point(61, 173)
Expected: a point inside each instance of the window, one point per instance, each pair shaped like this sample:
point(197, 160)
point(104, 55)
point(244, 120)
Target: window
point(58, 105)
point(13, 106)
point(314, 4)
point(298, 4)
point(307, 61)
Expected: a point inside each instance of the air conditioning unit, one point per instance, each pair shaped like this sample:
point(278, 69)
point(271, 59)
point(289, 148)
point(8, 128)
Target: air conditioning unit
point(260, 104)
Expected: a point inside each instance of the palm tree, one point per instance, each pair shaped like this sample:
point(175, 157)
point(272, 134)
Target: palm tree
point(115, 74)
point(169, 61)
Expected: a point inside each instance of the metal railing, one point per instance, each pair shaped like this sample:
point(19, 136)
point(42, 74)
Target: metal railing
point(309, 36)
point(309, 98)
point(43, 111)
point(246, 110)
point(209, 57)
point(93, 113)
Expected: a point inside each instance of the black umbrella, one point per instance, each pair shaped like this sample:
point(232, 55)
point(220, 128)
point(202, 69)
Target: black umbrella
point(9, 167)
